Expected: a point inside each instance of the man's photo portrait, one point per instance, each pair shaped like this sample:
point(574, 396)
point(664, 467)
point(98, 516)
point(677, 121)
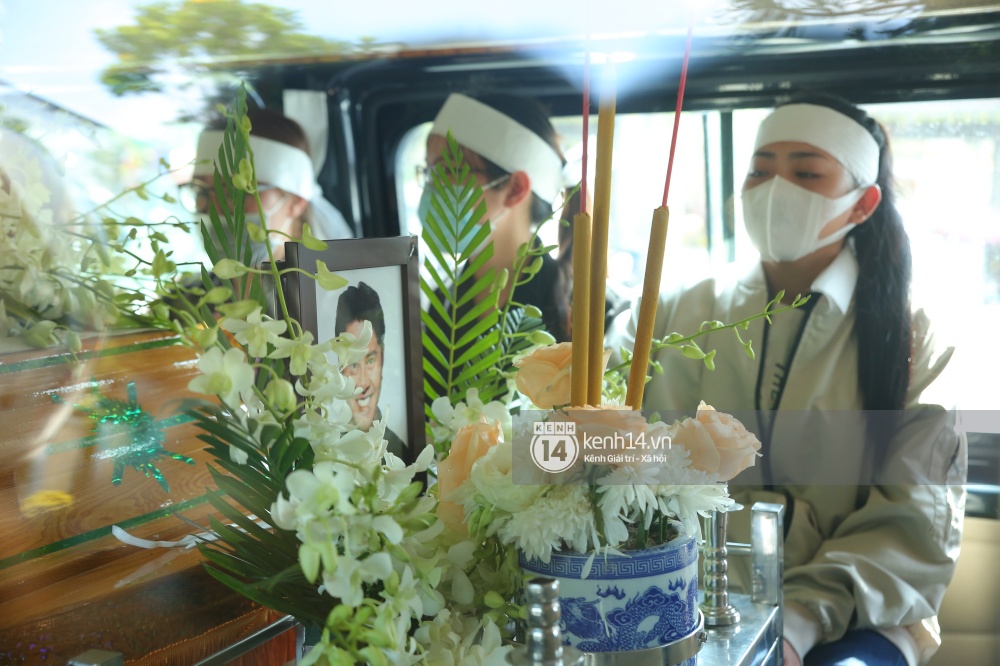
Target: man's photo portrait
point(379, 377)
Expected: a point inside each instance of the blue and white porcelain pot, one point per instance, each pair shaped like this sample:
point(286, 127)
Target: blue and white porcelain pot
point(640, 599)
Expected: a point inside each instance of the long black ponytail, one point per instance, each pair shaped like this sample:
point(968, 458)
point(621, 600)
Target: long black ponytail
point(882, 323)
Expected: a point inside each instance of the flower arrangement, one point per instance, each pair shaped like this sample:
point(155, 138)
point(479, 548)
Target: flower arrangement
point(597, 509)
point(347, 539)
point(612, 506)
point(65, 273)
point(316, 517)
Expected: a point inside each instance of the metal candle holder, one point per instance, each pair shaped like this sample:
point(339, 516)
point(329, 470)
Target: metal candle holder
point(543, 642)
point(716, 607)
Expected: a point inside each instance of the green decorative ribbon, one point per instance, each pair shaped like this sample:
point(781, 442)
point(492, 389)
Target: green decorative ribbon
point(124, 421)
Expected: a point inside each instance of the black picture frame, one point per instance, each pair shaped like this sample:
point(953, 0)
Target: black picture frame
point(375, 260)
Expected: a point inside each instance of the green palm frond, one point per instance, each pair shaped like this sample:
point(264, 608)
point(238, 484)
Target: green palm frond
point(514, 341)
point(258, 561)
point(461, 335)
point(225, 233)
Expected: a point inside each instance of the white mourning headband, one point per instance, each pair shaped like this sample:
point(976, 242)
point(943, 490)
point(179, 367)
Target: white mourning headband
point(844, 138)
point(503, 141)
point(277, 163)
point(286, 167)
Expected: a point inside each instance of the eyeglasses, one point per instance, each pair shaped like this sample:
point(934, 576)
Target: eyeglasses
point(198, 195)
point(425, 177)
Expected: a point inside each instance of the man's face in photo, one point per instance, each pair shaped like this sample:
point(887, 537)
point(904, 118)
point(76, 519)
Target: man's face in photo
point(367, 376)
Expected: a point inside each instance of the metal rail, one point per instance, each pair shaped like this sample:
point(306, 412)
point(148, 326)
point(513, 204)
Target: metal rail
point(253, 641)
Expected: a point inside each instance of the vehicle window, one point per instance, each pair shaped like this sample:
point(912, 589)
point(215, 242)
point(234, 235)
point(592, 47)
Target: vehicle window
point(640, 166)
point(96, 164)
point(946, 162)
point(412, 153)
point(947, 167)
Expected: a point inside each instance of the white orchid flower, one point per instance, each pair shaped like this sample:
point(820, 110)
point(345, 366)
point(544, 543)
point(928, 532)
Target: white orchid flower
point(255, 332)
point(319, 493)
point(299, 352)
point(350, 348)
point(396, 476)
point(326, 385)
point(226, 375)
point(345, 581)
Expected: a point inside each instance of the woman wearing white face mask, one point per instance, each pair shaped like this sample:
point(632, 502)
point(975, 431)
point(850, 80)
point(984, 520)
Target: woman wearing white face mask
point(289, 193)
point(872, 485)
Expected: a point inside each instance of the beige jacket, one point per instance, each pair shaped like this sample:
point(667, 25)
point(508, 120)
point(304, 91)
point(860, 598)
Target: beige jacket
point(856, 555)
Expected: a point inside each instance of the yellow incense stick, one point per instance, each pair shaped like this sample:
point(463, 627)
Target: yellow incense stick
point(599, 242)
point(647, 309)
point(581, 308)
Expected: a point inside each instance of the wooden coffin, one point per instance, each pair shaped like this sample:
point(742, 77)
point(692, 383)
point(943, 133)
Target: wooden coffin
point(91, 443)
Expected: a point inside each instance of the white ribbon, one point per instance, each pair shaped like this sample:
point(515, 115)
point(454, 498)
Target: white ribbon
point(187, 543)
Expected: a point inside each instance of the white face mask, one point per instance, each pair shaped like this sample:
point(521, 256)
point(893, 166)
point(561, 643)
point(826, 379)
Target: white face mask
point(784, 220)
point(424, 207)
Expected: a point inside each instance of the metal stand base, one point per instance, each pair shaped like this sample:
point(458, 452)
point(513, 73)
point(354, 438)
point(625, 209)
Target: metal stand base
point(720, 617)
point(670, 654)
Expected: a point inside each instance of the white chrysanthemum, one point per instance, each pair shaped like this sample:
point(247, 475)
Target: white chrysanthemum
point(685, 502)
point(563, 516)
point(627, 489)
point(626, 495)
point(675, 467)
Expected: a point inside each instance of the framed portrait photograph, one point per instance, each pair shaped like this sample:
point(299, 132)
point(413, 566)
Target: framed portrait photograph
point(383, 288)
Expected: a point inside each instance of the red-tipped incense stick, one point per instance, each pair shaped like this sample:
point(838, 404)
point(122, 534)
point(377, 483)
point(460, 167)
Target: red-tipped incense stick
point(677, 112)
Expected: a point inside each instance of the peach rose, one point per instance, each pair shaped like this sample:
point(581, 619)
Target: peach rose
point(470, 444)
point(617, 427)
point(717, 443)
point(544, 375)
